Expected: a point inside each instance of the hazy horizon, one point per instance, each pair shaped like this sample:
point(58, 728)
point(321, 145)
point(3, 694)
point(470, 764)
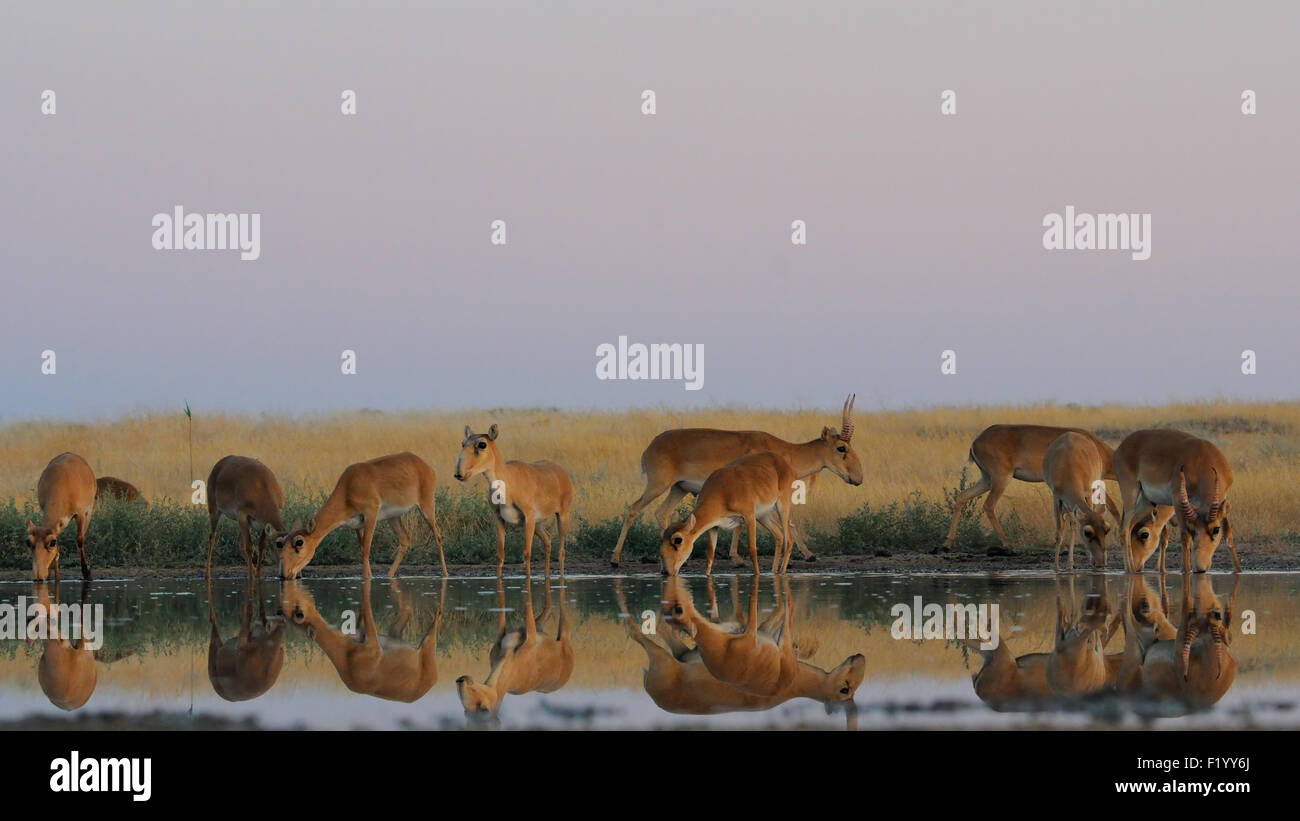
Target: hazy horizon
point(924, 231)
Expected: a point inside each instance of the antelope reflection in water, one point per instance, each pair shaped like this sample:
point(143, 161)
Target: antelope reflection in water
point(522, 660)
point(381, 666)
point(1163, 669)
point(67, 671)
point(679, 680)
point(247, 664)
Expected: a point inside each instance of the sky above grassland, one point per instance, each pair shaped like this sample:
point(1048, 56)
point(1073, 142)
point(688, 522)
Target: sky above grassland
point(924, 231)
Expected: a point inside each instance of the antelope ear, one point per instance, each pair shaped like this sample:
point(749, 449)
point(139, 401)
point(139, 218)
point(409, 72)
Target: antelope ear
point(1088, 531)
point(311, 525)
point(829, 433)
point(493, 431)
point(468, 432)
point(690, 522)
point(30, 526)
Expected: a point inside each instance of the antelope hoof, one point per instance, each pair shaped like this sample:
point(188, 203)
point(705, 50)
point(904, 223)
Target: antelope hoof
point(1000, 550)
point(812, 557)
point(613, 564)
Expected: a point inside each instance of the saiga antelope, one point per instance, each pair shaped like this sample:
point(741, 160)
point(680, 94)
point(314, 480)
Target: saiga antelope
point(1006, 452)
point(245, 490)
point(65, 491)
point(1071, 467)
point(762, 663)
point(366, 494)
point(373, 665)
point(529, 492)
point(524, 660)
point(249, 663)
point(66, 672)
point(678, 682)
point(678, 462)
point(1170, 468)
point(751, 489)
point(106, 486)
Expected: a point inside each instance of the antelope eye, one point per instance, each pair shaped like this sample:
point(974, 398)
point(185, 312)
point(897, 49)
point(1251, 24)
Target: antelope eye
point(481, 445)
point(844, 691)
point(298, 542)
point(842, 449)
point(677, 540)
point(1144, 535)
point(677, 611)
point(51, 543)
point(1214, 531)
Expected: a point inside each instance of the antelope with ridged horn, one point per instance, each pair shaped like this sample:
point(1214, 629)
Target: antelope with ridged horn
point(1170, 468)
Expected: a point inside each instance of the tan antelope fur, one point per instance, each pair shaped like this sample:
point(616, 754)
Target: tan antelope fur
point(1169, 468)
point(1071, 465)
point(367, 493)
point(524, 660)
point(678, 681)
point(247, 664)
point(762, 662)
point(111, 486)
point(245, 490)
point(678, 462)
point(519, 492)
point(65, 491)
point(750, 489)
point(370, 664)
point(1006, 452)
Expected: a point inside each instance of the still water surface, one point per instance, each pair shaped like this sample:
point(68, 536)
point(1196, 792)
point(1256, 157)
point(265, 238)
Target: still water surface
point(826, 652)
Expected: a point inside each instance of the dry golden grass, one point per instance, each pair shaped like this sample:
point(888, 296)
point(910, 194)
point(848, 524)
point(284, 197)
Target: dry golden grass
point(903, 451)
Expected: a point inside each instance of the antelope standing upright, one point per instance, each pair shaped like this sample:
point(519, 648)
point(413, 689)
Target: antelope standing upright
point(1006, 452)
point(366, 494)
point(524, 660)
point(751, 489)
point(65, 491)
point(1072, 466)
point(1169, 468)
point(373, 665)
point(678, 462)
point(530, 492)
point(245, 490)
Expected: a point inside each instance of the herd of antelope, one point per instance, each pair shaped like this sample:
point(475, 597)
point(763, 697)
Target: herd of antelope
point(1166, 478)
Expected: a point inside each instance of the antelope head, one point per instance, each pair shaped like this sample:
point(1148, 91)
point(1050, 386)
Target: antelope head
point(839, 455)
point(1205, 530)
point(1205, 619)
point(297, 548)
point(1095, 528)
point(479, 700)
point(675, 548)
point(44, 543)
point(477, 453)
point(842, 682)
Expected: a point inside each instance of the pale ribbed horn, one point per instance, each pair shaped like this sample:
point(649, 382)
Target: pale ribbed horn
point(1189, 636)
point(846, 420)
point(1216, 498)
point(1217, 630)
point(1185, 504)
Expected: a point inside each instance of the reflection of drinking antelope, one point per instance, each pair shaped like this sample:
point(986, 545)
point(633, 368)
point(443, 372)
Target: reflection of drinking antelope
point(120, 489)
point(1006, 452)
point(761, 662)
point(366, 494)
point(753, 488)
point(247, 491)
point(65, 491)
point(525, 660)
point(531, 491)
point(248, 664)
point(370, 664)
point(678, 462)
point(67, 672)
point(1071, 466)
point(1195, 669)
point(1170, 468)
point(1075, 667)
point(678, 681)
